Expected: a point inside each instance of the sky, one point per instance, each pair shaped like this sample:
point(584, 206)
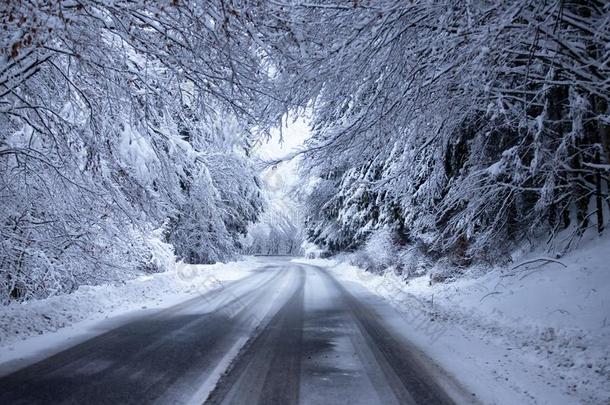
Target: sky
point(281, 179)
point(294, 134)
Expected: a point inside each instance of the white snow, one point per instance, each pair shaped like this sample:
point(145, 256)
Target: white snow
point(537, 333)
point(35, 329)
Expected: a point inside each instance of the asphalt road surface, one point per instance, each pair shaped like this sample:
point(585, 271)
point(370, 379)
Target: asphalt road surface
point(285, 334)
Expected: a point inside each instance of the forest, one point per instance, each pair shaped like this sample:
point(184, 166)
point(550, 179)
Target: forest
point(453, 131)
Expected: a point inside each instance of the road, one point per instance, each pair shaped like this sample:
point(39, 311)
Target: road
point(285, 334)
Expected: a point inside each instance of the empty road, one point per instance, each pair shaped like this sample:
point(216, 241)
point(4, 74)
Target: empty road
point(287, 333)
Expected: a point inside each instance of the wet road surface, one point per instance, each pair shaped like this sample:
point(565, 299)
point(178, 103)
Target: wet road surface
point(298, 336)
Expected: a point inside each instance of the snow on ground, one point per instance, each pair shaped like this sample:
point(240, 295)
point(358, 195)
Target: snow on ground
point(528, 333)
point(35, 329)
point(533, 332)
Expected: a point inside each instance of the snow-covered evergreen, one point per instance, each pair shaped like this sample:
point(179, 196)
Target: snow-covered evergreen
point(465, 127)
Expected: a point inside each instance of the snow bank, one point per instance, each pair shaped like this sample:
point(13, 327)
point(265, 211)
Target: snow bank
point(61, 317)
point(533, 332)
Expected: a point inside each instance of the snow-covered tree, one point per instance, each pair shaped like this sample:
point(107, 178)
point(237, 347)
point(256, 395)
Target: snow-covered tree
point(462, 128)
point(113, 117)
point(468, 125)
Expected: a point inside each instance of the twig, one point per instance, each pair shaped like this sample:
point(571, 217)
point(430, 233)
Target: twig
point(547, 260)
point(488, 294)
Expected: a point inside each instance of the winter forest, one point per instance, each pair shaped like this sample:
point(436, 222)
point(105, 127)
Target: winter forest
point(445, 131)
point(305, 202)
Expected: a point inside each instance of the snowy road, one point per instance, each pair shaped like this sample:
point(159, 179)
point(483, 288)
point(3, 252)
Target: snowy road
point(295, 335)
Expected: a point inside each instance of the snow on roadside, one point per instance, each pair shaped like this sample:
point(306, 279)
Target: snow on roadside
point(533, 333)
point(31, 328)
